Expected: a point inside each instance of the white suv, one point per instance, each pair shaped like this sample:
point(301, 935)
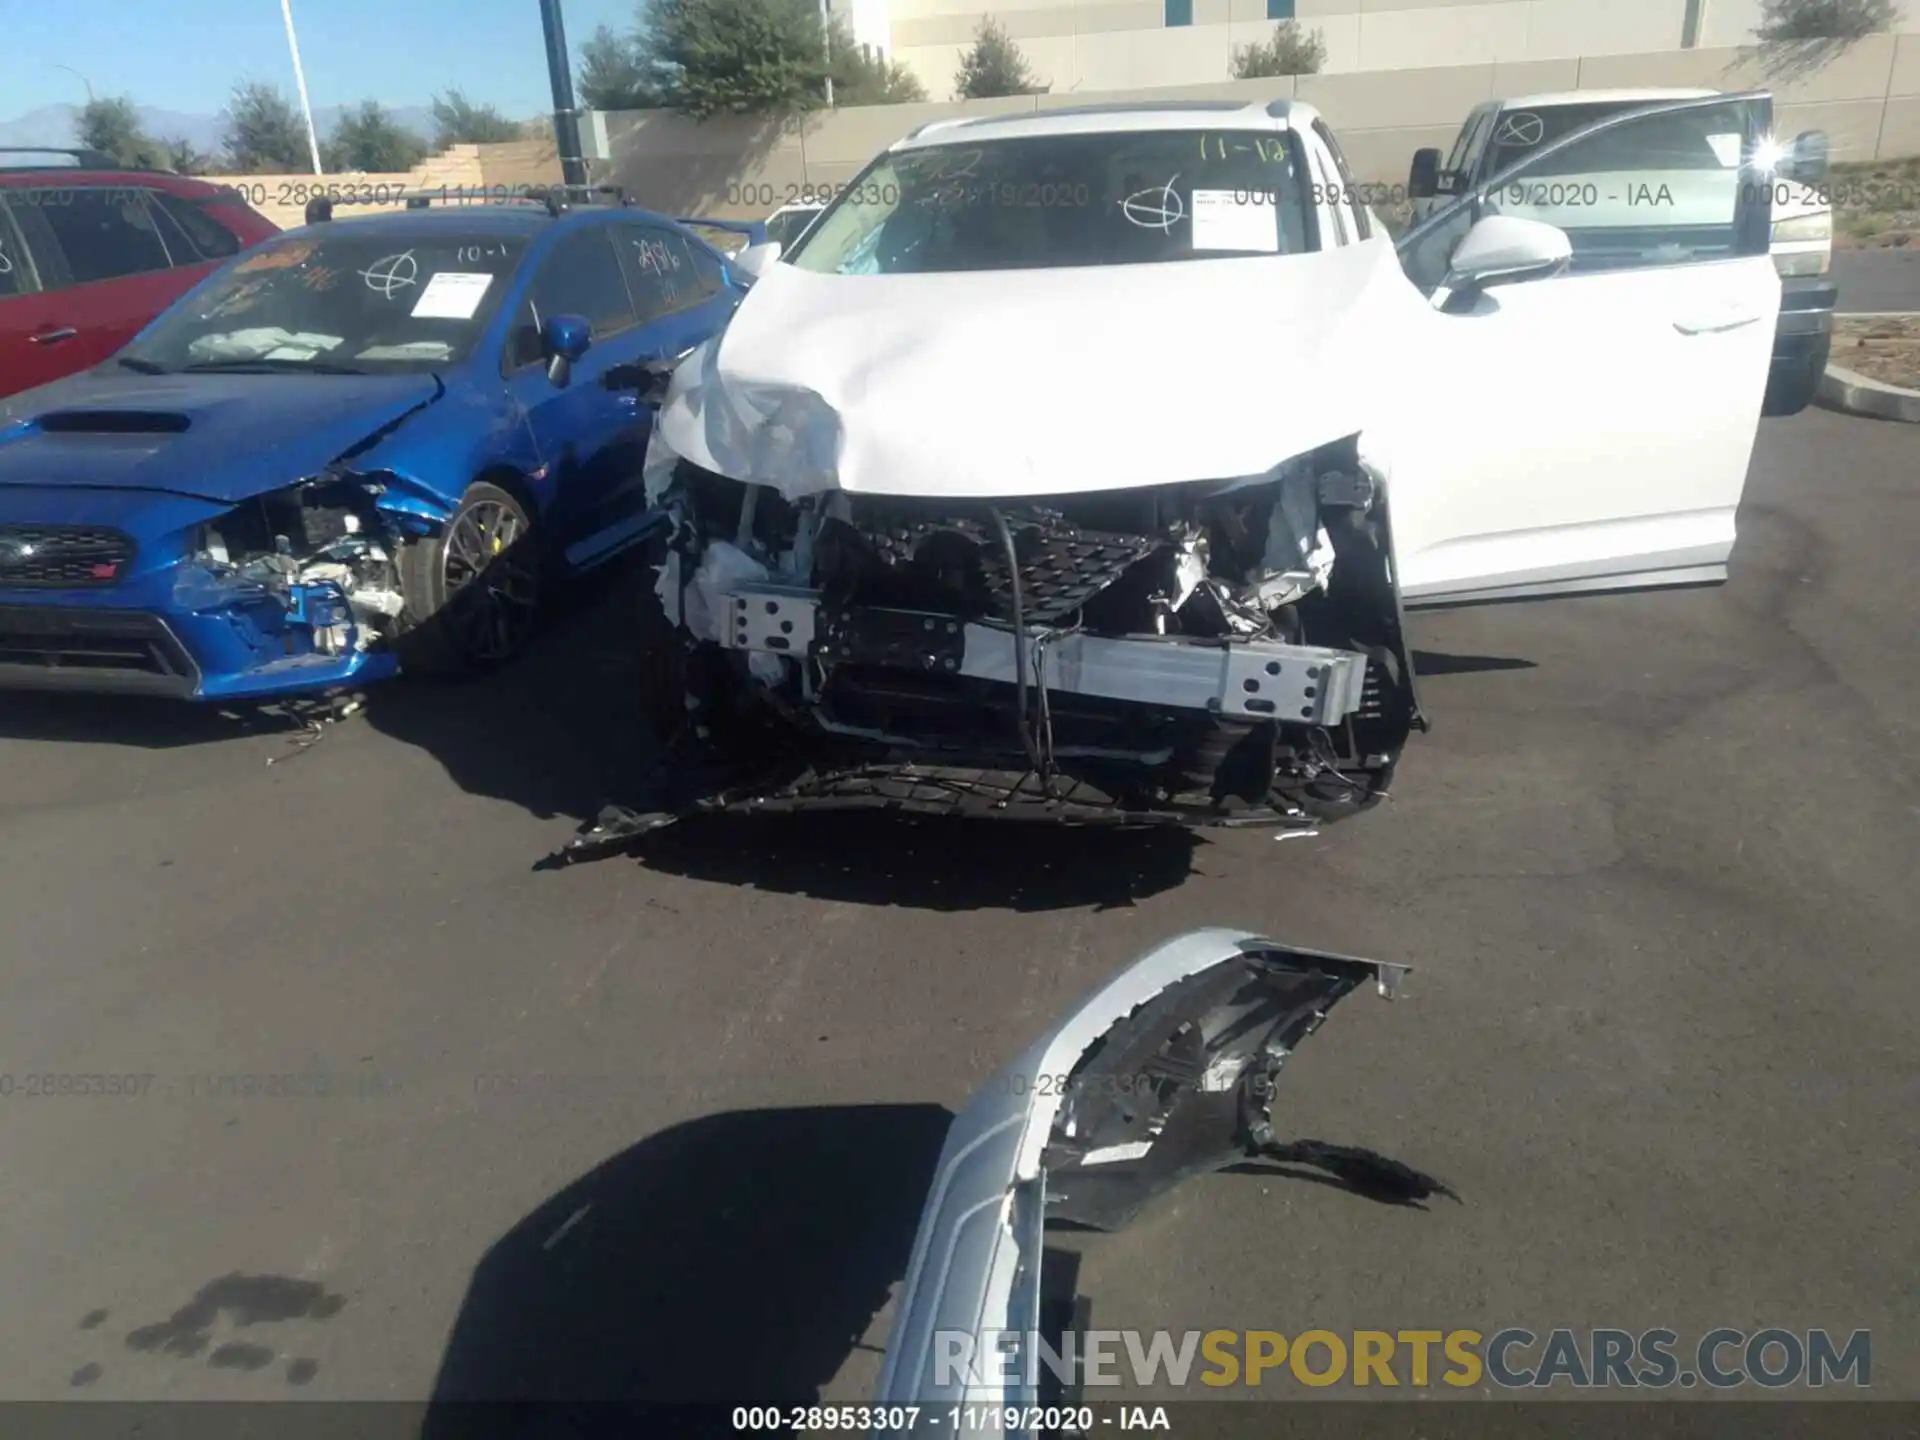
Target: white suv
point(1080, 464)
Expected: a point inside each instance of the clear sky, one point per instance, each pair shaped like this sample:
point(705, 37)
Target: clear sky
point(186, 54)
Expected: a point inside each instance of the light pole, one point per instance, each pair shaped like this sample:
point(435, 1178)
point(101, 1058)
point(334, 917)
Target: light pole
point(826, 43)
point(300, 80)
point(566, 117)
point(81, 78)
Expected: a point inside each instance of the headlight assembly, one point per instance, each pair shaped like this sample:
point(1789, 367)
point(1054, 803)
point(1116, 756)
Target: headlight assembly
point(1804, 228)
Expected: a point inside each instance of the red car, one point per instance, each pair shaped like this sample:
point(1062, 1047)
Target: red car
point(90, 252)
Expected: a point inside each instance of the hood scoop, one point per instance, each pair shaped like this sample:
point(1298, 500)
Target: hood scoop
point(114, 422)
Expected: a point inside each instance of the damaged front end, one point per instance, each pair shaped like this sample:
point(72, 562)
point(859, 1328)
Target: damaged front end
point(1221, 653)
point(304, 584)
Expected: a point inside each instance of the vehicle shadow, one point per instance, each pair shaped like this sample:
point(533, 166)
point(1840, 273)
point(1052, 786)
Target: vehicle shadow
point(736, 1256)
point(563, 731)
point(941, 864)
point(1432, 662)
point(556, 732)
point(136, 720)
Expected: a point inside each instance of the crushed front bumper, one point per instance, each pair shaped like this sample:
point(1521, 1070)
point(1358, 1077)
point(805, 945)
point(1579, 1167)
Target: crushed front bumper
point(1247, 679)
point(953, 683)
point(234, 648)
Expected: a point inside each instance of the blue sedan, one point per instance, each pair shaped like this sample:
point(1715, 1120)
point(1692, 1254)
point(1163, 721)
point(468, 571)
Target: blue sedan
point(366, 445)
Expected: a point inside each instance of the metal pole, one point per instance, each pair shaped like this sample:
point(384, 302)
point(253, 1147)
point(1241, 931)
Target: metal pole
point(826, 44)
point(1694, 12)
point(566, 117)
point(81, 78)
point(300, 80)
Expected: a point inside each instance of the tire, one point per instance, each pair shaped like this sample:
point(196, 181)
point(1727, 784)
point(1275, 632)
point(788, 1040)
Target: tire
point(693, 692)
point(473, 591)
point(663, 672)
point(1791, 391)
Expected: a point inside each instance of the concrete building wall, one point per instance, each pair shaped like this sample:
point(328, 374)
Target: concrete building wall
point(460, 171)
point(1868, 101)
point(1078, 46)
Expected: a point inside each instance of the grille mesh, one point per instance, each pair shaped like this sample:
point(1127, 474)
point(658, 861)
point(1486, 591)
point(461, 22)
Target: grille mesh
point(68, 557)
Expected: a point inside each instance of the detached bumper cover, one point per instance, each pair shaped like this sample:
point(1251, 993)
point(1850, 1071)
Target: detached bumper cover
point(1164, 1072)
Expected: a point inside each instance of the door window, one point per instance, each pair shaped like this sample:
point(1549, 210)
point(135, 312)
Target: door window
point(1349, 192)
point(1665, 188)
point(666, 271)
point(1462, 142)
point(580, 276)
point(1334, 226)
point(101, 234)
point(191, 233)
point(14, 276)
point(1466, 163)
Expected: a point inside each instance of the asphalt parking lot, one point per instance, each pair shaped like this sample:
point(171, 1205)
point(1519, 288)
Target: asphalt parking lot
point(1877, 280)
point(1655, 867)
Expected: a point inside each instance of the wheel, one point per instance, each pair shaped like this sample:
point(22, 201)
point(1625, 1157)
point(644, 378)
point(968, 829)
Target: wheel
point(473, 591)
point(695, 693)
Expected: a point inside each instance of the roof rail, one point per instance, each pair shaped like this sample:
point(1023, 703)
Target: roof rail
point(947, 124)
point(83, 158)
point(556, 199)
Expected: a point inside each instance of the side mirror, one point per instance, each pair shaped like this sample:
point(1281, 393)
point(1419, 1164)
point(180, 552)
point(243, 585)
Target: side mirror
point(1811, 156)
point(756, 259)
point(1423, 180)
point(1504, 248)
point(563, 340)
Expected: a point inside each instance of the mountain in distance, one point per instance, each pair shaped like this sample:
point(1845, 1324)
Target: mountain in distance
point(59, 125)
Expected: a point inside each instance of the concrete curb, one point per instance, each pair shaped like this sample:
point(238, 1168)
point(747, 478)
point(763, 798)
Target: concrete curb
point(1852, 393)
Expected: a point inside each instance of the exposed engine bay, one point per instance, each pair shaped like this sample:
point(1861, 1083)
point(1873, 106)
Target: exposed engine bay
point(1203, 654)
point(324, 551)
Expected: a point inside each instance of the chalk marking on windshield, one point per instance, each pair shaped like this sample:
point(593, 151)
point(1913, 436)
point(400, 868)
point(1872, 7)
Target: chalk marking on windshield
point(1520, 130)
point(391, 274)
point(6, 260)
point(1157, 208)
point(964, 168)
point(656, 257)
point(473, 254)
point(243, 298)
point(283, 257)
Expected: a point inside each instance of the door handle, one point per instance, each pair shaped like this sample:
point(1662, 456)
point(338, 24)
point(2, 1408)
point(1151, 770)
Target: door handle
point(1714, 322)
point(53, 336)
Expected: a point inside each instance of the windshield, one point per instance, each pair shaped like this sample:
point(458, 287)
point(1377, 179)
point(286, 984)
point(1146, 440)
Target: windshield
point(1053, 201)
point(786, 225)
point(372, 303)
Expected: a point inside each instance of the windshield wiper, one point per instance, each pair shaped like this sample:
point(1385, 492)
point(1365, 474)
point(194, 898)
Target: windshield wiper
point(268, 367)
point(145, 367)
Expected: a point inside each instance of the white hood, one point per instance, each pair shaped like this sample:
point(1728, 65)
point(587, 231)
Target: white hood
point(1041, 382)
